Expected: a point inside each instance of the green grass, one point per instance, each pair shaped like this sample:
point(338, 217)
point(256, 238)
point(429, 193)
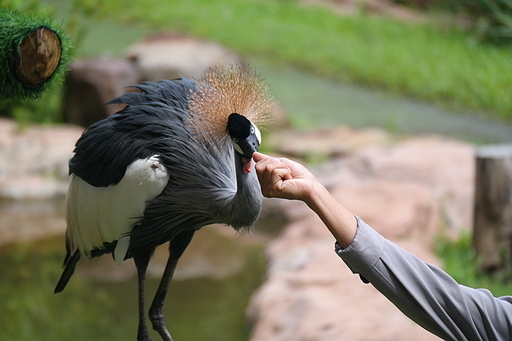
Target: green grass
point(441, 65)
point(459, 261)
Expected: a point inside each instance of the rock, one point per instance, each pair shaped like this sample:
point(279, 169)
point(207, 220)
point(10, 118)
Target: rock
point(406, 192)
point(215, 252)
point(31, 186)
point(446, 168)
point(92, 83)
point(171, 56)
point(329, 142)
point(33, 161)
point(29, 220)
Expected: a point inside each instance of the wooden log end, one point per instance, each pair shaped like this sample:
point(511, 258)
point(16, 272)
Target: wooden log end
point(38, 56)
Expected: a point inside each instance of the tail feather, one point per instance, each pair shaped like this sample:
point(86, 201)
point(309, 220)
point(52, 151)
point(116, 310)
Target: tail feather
point(69, 269)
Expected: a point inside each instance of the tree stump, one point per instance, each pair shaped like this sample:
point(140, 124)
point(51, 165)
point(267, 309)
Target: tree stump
point(33, 53)
point(492, 226)
point(38, 56)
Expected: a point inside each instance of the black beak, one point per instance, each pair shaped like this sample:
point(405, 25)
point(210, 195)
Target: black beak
point(249, 146)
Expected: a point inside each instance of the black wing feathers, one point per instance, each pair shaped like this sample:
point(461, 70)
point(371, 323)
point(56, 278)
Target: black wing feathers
point(69, 269)
point(107, 147)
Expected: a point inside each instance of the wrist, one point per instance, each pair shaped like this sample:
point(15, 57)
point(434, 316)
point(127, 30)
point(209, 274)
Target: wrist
point(316, 197)
point(340, 222)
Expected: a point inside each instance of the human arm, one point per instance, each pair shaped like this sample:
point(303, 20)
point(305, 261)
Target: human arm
point(423, 292)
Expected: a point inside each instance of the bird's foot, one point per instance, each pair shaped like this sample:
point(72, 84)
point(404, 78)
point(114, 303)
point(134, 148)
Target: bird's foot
point(143, 336)
point(159, 325)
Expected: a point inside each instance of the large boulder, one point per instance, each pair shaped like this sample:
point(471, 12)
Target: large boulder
point(33, 160)
point(91, 83)
point(171, 56)
point(407, 191)
point(326, 143)
point(33, 179)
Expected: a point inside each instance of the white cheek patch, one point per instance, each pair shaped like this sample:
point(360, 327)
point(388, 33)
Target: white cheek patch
point(237, 147)
point(257, 133)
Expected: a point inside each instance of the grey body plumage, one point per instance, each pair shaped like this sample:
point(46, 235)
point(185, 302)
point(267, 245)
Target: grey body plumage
point(207, 179)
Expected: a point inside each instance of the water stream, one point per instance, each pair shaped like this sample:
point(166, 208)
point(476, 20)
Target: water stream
point(314, 101)
point(207, 301)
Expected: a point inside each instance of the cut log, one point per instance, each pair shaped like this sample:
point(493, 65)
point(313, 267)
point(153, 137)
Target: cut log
point(33, 55)
point(38, 56)
point(492, 227)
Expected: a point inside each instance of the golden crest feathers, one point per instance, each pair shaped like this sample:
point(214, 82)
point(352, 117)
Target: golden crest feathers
point(222, 92)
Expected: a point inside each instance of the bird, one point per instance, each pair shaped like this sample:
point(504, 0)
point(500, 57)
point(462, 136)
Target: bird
point(176, 158)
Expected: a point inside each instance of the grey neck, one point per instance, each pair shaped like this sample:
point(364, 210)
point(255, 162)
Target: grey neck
point(246, 204)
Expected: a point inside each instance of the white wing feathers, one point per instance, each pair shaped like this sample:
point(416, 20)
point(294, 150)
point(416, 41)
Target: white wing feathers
point(97, 215)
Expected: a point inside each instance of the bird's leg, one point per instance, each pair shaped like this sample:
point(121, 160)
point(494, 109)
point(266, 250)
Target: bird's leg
point(141, 262)
point(176, 249)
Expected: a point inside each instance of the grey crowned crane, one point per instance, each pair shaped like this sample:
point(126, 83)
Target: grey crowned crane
point(178, 157)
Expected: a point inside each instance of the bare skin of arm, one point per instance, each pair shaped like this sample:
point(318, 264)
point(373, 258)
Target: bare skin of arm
point(284, 178)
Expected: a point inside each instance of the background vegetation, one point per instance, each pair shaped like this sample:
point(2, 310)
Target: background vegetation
point(489, 20)
point(433, 60)
point(459, 261)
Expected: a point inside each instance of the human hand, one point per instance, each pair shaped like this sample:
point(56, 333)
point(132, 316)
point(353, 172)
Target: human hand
point(284, 178)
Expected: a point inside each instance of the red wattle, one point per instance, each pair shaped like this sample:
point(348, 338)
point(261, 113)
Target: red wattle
point(247, 165)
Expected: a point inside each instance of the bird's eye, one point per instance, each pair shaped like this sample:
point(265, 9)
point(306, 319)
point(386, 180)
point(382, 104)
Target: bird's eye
point(252, 130)
point(235, 140)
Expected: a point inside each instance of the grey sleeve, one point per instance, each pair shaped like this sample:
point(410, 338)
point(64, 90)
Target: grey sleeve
point(425, 293)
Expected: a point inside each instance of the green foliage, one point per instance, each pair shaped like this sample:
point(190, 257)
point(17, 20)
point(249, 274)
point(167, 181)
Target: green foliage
point(442, 65)
point(44, 110)
point(418, 4)
point(436, 64)
point(492, 18)
point(460, 262)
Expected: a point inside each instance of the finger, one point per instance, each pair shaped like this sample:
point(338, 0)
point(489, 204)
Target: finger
point(267, 162)
point(257, 156)
point(279, 175)
point(272, 179)
point(263, 160)
point(266, 168)
point(260, 158)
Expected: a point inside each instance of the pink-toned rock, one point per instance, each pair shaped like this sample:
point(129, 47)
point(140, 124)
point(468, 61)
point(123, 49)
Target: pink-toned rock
point(406, 192)
point(444, 167)
point(311, 295)
point(92, 83)
point(329, 142)
point(171, 56)
point(33, 160)
point(28, 220)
